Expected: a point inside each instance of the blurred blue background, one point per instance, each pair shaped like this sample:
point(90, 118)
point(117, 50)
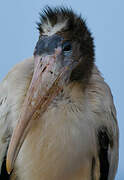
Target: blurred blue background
point(105, 19)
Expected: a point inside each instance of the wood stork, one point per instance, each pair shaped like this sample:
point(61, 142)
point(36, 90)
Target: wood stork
point(57, 117)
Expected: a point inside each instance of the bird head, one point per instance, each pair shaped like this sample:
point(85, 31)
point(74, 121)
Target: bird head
point(64, 53)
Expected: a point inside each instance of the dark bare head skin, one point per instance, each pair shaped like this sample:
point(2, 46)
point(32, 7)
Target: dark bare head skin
point(64, 56)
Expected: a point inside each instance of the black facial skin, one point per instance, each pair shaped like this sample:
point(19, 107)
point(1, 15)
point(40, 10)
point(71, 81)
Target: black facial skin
point(48, 44)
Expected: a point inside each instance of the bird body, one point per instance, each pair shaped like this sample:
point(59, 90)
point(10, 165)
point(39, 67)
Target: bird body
point(76, 138)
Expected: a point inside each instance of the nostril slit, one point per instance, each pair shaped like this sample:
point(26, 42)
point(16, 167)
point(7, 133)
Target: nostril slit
point(44, 68)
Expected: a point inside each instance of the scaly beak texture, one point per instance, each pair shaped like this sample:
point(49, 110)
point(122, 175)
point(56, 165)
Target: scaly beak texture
point(46, 83)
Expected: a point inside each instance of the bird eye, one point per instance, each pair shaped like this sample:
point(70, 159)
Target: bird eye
point(67, 46)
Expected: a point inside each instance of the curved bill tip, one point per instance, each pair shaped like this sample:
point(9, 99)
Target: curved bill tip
point(8, 167)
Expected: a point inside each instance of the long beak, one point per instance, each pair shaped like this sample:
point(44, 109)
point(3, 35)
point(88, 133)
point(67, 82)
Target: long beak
point(46, 83)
